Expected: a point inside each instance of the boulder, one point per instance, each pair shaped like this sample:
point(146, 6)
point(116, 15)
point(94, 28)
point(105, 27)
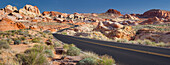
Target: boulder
point(113, 11)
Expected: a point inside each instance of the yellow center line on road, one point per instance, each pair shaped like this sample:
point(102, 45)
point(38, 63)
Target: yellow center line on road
point(147, 52)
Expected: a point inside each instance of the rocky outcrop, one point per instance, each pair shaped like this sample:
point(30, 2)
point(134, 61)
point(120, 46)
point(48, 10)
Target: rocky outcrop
point(156, 13)
point(30, 10)
point(127, 16)
point(10, 9)
point(7, 24)
point(152, 35)
point(54, 14)
point(154, 20)
point(113, 11)
point(115, 30)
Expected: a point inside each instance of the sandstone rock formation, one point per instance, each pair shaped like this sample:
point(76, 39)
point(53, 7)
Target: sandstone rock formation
point(7, 24)
point(127, 16)
point(30, 10)
point(54, 14)
point(154, 20)
point(10, 9)
point(113, 11)
point(156, 13)
point(115, 30)
point(152, 35)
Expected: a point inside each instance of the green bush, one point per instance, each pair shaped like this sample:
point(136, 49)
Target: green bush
point(87, 61)
point(17, 42)
point(33, 58)
point(49, 53)
point(90, 55)
point(64, 33)
point(148, 42)
point(56, 44)
point(36, 55)
point(23, 38)
point(9, 41)
point(4, 44)
point(26, 42)
point(73, 51)
point(71, 45)
point(36, 40)
point(106, 60)
point(66, 46)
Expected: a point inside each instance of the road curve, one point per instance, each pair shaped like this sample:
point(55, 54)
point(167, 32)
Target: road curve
point(124, 54)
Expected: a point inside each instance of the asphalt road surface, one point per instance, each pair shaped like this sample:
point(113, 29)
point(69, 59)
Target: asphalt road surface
point(124, 54)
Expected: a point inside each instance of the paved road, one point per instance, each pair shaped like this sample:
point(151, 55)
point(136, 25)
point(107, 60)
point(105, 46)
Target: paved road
point(124, 54)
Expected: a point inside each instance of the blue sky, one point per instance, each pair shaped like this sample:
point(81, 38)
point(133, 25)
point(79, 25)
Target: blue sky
point(91, 6)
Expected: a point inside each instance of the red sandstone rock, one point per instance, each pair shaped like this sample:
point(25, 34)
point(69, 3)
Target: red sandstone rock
point(113, 11)
point(7, 24)
point(46, 13)
point(157, 13)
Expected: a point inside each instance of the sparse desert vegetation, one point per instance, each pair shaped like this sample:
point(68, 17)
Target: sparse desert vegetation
point(40, 48)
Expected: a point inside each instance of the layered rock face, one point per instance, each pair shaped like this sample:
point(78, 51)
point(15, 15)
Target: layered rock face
point(30, 10)
point(152, 35)
point(115, 30)
point(113, 11)
point(157, 13)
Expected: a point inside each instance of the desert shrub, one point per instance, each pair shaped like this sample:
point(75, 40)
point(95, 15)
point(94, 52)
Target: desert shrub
point(161, 44)
point(22, 38)
point(36, 55)
point(106, 60)
point(56, 44)
point(90, 55)
point(33, 58)
point(9, 41)
point(37, 48)
point(148, 42)
point(64, 33)
point(4, 44)
point(87, 61)
point(49, 53)
point(73, 51)
point(17, 42)
point(71, 45)
point(36, 40)
point(26, 42)
point(139, 41)
point(66, 46)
